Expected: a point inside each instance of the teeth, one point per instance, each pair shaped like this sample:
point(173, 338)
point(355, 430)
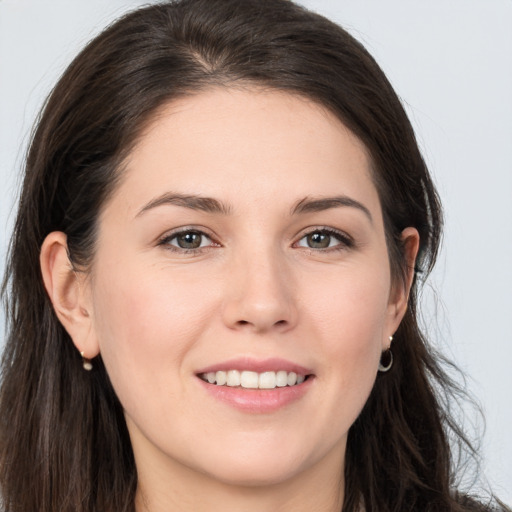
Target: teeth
point(253, 380)
point(281, 379)
point(233, 378)
point(267, 380)
point(221, 378)
point(249, 380)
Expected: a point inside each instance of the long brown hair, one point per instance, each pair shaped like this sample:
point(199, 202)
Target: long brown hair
point(64, 444)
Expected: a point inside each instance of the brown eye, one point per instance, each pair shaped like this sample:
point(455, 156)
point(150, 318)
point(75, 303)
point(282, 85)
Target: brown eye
point(189, 240)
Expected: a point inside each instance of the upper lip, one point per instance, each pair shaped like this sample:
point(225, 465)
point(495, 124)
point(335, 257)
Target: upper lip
point(257, 365)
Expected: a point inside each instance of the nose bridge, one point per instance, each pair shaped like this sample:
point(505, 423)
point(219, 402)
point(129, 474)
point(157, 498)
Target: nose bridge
point(260, 291)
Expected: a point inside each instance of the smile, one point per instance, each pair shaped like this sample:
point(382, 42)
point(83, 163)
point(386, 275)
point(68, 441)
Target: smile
point(253, 380)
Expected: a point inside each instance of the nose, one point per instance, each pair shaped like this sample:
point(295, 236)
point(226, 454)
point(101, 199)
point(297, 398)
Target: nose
point(259, 294)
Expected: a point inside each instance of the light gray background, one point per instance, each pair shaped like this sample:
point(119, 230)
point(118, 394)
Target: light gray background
point(451, 63)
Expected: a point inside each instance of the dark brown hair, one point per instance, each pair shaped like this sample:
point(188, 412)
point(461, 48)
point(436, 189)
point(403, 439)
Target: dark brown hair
point(64, 445)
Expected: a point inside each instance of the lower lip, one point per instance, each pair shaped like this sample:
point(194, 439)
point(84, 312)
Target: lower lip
point(259, 401)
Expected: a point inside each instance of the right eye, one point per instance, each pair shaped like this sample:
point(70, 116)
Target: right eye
point(187, 240)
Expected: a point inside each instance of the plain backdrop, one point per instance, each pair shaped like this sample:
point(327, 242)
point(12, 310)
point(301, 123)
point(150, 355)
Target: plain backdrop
point(451, 63)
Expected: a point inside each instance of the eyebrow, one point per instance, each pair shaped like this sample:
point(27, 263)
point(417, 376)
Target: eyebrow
point(194, 202)
point(311, 204)
point(211, 205)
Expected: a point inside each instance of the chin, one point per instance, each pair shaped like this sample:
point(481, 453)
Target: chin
point(255, 475)
point(258, 466)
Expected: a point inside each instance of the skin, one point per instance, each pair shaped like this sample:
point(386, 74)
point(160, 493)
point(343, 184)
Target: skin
point(255, 288)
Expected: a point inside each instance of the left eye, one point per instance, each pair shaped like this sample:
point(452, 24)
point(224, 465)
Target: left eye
point(322, 240)
point(189, 240)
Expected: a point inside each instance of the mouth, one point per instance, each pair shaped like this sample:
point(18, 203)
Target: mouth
point(257, 386)
point(248, 379)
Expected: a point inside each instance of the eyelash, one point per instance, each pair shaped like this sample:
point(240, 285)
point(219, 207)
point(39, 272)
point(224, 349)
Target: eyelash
point(345, 241)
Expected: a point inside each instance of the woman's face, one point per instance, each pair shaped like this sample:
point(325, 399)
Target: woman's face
point(245, 243)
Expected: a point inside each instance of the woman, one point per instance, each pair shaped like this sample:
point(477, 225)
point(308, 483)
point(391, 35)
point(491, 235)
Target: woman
point(214, 277)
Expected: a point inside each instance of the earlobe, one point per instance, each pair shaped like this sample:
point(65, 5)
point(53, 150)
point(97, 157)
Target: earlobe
point(68, 292)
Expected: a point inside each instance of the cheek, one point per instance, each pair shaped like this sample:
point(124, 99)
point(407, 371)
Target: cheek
point(351, 305)
point(349, 322)
point(145, 324)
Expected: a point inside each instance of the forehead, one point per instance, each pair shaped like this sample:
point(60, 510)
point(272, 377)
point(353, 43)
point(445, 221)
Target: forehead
point(250, 143)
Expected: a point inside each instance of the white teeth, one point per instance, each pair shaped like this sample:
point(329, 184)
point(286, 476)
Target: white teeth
point(249, 380)
point(233, 379)
point(281, 379)
point(220, 378)
point(253, 380)
point(292, 379)
point(267, 380)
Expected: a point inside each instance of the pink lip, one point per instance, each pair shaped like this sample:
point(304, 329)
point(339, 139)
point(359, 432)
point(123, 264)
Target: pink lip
point(255, 365)
point(257, 401)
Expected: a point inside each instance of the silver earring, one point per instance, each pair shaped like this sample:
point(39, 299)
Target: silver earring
point(86, 363)
point(386, 358)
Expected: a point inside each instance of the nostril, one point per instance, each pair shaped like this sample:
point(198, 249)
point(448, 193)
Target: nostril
point(279, 323)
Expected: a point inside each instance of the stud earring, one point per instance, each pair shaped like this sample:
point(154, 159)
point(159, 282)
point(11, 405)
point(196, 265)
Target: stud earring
point(386, 358)
point(86, 363)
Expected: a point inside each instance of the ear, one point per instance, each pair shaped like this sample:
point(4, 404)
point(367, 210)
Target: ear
point(399, 297)
point(69, 293)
